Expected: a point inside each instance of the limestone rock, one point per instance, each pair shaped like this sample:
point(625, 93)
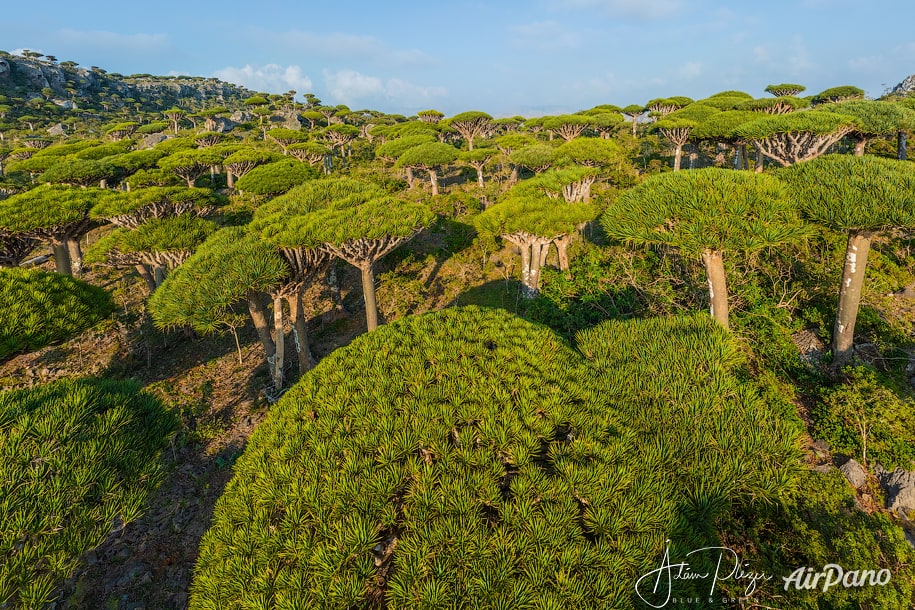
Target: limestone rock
point(905, 87)
point(152, 139)
point(855, 473)
point(57, 130)
point(899, 486)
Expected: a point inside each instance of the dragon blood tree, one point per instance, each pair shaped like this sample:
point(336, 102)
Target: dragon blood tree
point(796, 136)
point(707, 213)
point(229, 268)
point(363, 226)
point(154, 248)
point(51, 214)
point(859, 196)
point(478, 461)
point(532, 220)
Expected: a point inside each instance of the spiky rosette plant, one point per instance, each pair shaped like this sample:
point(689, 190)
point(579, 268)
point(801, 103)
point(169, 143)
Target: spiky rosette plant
point(478, 461)
point(39, 308)
point(391, 150)
point(81, 172)
point(677, 126)
point(77, 457)
point(191, 164)
point(154, 248)
point(231, 267)
point(428, 157)
point(472, 125)
point(875, 119)
point(52, 214)
point(860, 196)
point(131, 209)
point(271, 179)
point(706, 214)
point(242, 161)
point(531, 220)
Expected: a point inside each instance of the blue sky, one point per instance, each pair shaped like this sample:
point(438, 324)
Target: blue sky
point(506, 58)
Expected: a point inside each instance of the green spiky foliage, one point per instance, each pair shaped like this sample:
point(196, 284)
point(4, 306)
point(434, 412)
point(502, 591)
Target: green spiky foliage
point(838, 94)
point(874, 119)
point(276, 178)
point(774, 105)
point(665, 105)
point(121, 131)
point(242, 161)
point(191, 164)
point(54, 214)
point(472, 125)
point(535, 157)
point(340, 135)
point(39, 308)
point(483, 463)
point(567, 126)
point(284, 137)
point(430, 116)
point(78, 458)
point(634, 112)
point(392, 149)
point(532, 220)
point(428, 157)
point(80, 172)
point(605, 124)
point(860, 196)
point(608, 155)
point(785, 89)
point(175, 115)
point(136, 160)
point(133, 208)
point(797, 136)
point(231, 267)
point(312, 153)
point(478, 159)
point(159, 243)
point(105, 150)
point(677, 126)
point(707, 213)
point(152, 127)
point(724, 102)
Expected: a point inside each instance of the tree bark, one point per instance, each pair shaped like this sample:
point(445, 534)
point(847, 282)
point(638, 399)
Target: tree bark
point(759, 160)
point(678, 154)
point(859, 244)
point(562, 249)
point(513, 179)
point(76, 255)
point(143, 270)
point(411, 179)
point(859, 147)
point(300, 331)
point(528, 289)
point(230, 179)
point(901, 152)
point(62, 258)
point(480, 177)
point(717, 286)
point(433, 178)
point(159, 274)
point(258, 312)
point(279, 339)
point(368, 291)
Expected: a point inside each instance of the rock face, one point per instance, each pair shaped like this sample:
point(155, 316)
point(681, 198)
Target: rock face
point(855, 473)
point(899, 487)
point(28, 77)
point(905, 87)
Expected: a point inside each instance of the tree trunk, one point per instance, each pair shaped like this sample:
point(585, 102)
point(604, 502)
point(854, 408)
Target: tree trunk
point(635, 125)
point(103, 183)
point(300, 332)
point(368, 291)
point(513, 179)
point(433, 178)
point(279, 339)
point(159, 274)
point(143, 270)
point(859, 147)
point(678, 153)
point(901, 152)
point(76, 255)
point(411, 179)
point(759, 160)
point(480, 177)
point(258, 312)
point(562, 249)
point(230, 179)
point(843, 334)
point(538, 255)
point(528, 289)
point(717, 286)
point(62, 258)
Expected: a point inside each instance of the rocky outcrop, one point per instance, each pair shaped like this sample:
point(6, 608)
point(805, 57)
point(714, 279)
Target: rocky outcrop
point(30, 78)
point(899, 486)
point(855, 473)
point(906, 87)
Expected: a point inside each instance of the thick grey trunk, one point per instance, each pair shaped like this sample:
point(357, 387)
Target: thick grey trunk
point(230, 179)
point(279, 340)
point(411, 179)
point(143, 270)
point(300, 332)
point(678, 154)
point(480, 177)
point(258, 312)
point(76, 255)
point(433, 178)
point(717, 286)
point(901, 152)
point(759, 160)
point(62, 258)
point(859, 245)
point(368, 290)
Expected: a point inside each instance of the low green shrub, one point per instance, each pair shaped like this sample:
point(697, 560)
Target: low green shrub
point(468, 458)
point(38, 308)
point(77, 458)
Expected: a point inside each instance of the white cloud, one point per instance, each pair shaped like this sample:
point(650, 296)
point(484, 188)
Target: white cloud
point(349, 87)
point(544, 36)
point(634, 9)
point(271, 78)
point(340, 45)
point(114, 42)
point(791, 59)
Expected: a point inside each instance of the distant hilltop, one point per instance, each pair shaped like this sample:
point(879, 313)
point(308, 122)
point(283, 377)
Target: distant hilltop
point(906, 87)
point(66, 84)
